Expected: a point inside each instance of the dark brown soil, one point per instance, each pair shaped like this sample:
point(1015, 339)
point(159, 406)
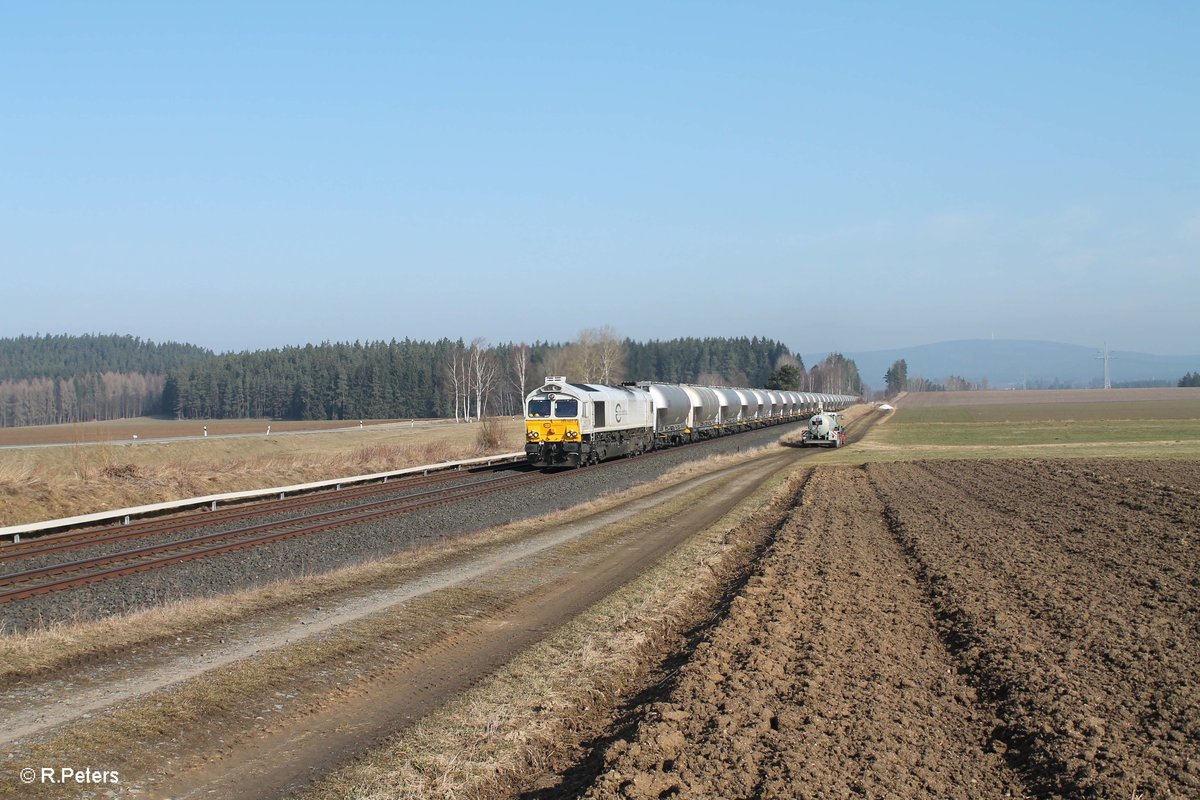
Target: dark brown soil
point(949, 629)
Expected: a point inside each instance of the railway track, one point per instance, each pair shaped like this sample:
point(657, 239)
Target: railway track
point(42, 580)
point(72, 540)
point(69, 574)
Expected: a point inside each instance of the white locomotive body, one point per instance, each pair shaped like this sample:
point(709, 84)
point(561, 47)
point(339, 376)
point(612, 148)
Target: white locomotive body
point(581, 423)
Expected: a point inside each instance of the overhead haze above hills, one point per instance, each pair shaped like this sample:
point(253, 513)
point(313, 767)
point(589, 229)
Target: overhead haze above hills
point(1016, 363)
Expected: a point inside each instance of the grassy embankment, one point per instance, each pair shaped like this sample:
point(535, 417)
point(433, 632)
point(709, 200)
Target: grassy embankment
point(1143, 429)
point(54, 482)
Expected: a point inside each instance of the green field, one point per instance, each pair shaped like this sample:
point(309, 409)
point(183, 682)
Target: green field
point(1032, 427)
point(1131, 410)
point(901, 432)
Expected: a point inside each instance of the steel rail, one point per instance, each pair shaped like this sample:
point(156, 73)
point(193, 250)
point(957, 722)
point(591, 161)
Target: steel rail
point(383, 507)
point(72, 540)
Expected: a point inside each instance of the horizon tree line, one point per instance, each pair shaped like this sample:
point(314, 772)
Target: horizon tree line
point(399, 379)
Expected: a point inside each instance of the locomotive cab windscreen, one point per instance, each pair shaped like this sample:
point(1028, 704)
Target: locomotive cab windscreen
point(562, 408)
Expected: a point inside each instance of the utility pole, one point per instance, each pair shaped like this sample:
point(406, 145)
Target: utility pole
point(1106, 356)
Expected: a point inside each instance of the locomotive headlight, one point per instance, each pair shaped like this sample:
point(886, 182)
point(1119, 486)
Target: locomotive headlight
point(531, 434)
point(571, 434)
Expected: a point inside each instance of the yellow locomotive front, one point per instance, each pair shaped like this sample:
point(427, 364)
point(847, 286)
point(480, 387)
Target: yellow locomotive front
point(552, 426)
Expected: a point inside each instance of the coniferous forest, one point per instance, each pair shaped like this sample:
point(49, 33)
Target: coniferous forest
point(50, 379)
point(54, 379)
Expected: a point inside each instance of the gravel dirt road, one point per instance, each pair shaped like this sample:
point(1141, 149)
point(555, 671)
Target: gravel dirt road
point(551, 592)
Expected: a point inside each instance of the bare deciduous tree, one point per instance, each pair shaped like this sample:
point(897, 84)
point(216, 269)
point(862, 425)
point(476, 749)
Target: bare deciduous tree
point(520, 371)
point(482, 374)
point(600, 355)
point(457, 373)
point(109, 395)
point(612, 355)
point(560, 361)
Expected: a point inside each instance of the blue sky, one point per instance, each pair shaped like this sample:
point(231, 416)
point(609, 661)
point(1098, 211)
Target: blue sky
point(843, 176)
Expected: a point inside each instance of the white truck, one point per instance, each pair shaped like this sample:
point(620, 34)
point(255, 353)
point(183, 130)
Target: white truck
point(824, 430)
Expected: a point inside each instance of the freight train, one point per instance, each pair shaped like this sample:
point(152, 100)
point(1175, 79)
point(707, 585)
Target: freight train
point(576, 424)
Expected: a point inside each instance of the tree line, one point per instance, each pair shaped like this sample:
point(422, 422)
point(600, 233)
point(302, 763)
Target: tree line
point(381, 380)
point(69, 357)
point(897, 380)
point(1190, 379)
point(47, 379)
point(94, 396)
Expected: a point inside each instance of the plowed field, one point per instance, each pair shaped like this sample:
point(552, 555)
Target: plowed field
point(951, 629)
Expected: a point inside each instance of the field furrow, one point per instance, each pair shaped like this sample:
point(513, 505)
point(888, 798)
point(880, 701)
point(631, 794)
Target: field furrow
point(828, 679)
point(1075, 614)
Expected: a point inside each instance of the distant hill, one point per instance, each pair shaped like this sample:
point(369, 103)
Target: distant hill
point(1013, 363)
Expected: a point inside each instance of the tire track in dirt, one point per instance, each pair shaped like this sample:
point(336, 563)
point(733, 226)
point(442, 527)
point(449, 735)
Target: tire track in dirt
point(553, 587)
point(828, 678)
point(1073, 610)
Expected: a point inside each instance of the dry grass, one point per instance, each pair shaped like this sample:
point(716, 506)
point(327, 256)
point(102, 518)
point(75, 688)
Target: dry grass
point(498, 733)
point(27, 654)
point(49, 483)
point(490, 435)
point(46, 650)
point(123, 431)
point(254, 694)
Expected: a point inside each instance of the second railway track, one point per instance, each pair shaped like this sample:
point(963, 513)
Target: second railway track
point(95, 537)
point(65, 575)
point(29, 583)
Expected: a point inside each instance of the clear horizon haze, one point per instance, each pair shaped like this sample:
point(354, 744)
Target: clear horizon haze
point(850, 176)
